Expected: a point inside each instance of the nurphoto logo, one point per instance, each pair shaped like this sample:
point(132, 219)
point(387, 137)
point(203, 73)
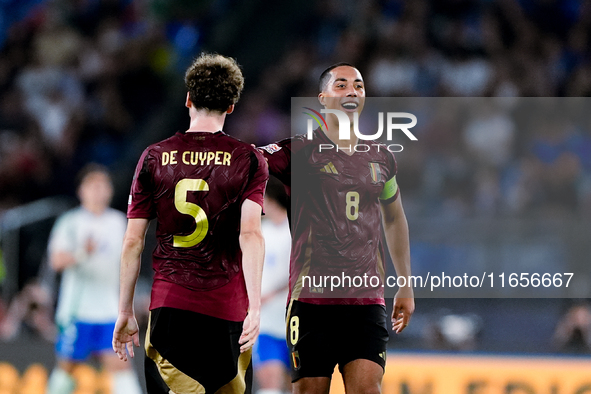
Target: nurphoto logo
point(345, 127)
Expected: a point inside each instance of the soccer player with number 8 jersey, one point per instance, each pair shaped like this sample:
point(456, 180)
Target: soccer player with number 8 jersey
point(340, 198)
point(205, 189)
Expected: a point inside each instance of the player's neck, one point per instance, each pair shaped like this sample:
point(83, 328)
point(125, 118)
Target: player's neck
point(345, 145)
point(207, 123)
point(95, 209)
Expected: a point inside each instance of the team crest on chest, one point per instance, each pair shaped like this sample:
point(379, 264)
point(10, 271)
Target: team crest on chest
point(375, 172)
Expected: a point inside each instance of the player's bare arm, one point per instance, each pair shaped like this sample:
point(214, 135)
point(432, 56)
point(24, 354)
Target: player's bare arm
point(126, 332)
point(60, 260)
point(252, 245)
point(396, 230)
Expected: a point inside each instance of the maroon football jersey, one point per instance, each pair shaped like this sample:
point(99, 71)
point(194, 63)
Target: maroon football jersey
point(335, 217)
point(195, 184)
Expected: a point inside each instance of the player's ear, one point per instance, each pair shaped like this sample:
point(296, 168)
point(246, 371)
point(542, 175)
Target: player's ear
point(188, 100)
point(321, 99)
point(230, 109)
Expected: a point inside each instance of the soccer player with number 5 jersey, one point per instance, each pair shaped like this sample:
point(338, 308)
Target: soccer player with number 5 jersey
point(205, 189)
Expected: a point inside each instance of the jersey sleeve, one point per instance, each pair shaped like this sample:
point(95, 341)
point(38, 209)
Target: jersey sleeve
point(259, 175)
point(391, 191)
point(278, 156)
point(62, 235)
point(141, 202)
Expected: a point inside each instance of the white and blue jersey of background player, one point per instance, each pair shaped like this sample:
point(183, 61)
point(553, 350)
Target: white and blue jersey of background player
point(271, 343)
point(89, 292)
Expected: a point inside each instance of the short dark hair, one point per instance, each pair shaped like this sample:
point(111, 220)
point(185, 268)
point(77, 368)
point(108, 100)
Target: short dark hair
point(214, 82)
point(91, 168)
point(325, 76)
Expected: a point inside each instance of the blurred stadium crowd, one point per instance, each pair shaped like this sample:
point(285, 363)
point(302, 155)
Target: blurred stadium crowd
point(81, 80)
point(98, 80)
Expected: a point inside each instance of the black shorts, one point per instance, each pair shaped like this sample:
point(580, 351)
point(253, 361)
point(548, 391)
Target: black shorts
point(188, 352)
point(321, 336)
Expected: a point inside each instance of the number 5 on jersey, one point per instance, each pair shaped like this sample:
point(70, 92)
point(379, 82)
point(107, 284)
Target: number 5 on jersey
point(194, 210)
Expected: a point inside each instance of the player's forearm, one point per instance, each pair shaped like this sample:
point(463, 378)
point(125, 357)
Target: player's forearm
point(397, 239)
point(59, 260)
point(252, 245)
point(130, 270)
point(399, 246)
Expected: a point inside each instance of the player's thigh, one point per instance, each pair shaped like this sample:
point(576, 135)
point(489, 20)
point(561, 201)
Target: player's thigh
point(318, 385)
point(311, 340)
point(363, 377)
point(363, 335)
point(195, 350)
point(270, 375)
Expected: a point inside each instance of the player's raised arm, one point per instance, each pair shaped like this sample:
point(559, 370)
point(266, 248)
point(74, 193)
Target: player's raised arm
point(126, 332)
point(252, 245)
point(278, 158)
point(397, 239)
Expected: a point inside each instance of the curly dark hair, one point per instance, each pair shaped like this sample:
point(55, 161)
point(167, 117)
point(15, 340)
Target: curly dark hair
point(214, 82)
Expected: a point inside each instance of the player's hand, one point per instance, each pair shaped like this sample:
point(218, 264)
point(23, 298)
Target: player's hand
point(126, 335)
point(250, 330)
point(404, 306)
point(262, 152)
point(90, 246)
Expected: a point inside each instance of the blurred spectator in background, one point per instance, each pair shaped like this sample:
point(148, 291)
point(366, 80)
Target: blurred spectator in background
point(33, 305)
point(85, 246)
point(271, 355)
point(69, 75)
point(453, 332)
point(83, 65)
point(2, 269)
point(573, 331)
